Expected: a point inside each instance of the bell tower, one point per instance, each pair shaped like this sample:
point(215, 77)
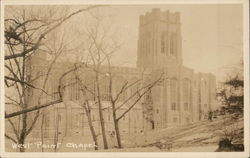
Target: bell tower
point(159, 43)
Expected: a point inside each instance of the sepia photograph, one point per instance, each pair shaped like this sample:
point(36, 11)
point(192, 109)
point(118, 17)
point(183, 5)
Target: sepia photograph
point(104, 77)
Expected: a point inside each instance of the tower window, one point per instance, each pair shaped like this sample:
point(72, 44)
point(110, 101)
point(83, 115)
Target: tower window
point(186, 106)
point(173, 106)
point(163, 42)
point(162, 47)
point(173, 44)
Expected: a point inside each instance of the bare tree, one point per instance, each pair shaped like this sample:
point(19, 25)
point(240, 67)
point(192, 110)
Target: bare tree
point(29, 33)
point(57, 45)
point(57, 131)
point(130, 102)
point(95, 34)
point(87, 109)
point(100, 49)
point(24, 36)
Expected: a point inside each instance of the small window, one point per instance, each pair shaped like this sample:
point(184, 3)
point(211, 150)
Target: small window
point(175, 119)
point(163, 43)
point(162, 47)
point(173, 106)
point(187, 120)
point(186, 106)
point(157, 111)
point(205, 105)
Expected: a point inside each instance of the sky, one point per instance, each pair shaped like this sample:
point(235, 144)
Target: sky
point(212, 34)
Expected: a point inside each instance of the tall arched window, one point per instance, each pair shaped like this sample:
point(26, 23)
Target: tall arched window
point(173, 44)
point(164, 42)
point(148, 42)
point(105, 92)
point(206, 92)
point(143, 43)
point(173, 93)
point(90, 85)
point(186, 93)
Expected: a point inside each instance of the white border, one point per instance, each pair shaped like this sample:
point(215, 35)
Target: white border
point(132, 154)
point(116, 2)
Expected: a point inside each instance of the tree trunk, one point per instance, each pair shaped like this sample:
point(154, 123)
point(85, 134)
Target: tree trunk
point(117, 132)
point(24, 116)
point(56, 134)
point(22, 141)
point(116, 125)
point(105, 143)
point(21, 149)
point(88, 112)
point(42, 136)
point(23, 132)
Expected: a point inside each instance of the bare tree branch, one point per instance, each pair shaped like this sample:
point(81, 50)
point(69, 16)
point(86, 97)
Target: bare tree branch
point(10, 138)
point(148, 88)
point(32, 109)
point(42, 36)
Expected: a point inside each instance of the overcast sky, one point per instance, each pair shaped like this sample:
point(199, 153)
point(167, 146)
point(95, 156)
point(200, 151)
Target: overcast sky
point(212, 35)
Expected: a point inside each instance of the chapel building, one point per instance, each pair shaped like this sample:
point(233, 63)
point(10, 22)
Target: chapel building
point(182, 97)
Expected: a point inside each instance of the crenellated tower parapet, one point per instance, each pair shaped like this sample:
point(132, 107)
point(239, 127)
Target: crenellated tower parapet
point(159, 43)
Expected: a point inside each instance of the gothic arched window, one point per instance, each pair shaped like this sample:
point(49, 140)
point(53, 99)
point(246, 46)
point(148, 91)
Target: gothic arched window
point(89, 82)
point(164, 42)
point(173, 44)
point(186, 93)
point(173, 93)
point(148, 43)
point(105, 92)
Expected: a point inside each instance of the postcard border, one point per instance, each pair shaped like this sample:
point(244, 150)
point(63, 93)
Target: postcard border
point(245, 3)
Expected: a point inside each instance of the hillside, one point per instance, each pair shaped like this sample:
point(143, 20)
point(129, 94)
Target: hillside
point(203, 135)
point(195, 137)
